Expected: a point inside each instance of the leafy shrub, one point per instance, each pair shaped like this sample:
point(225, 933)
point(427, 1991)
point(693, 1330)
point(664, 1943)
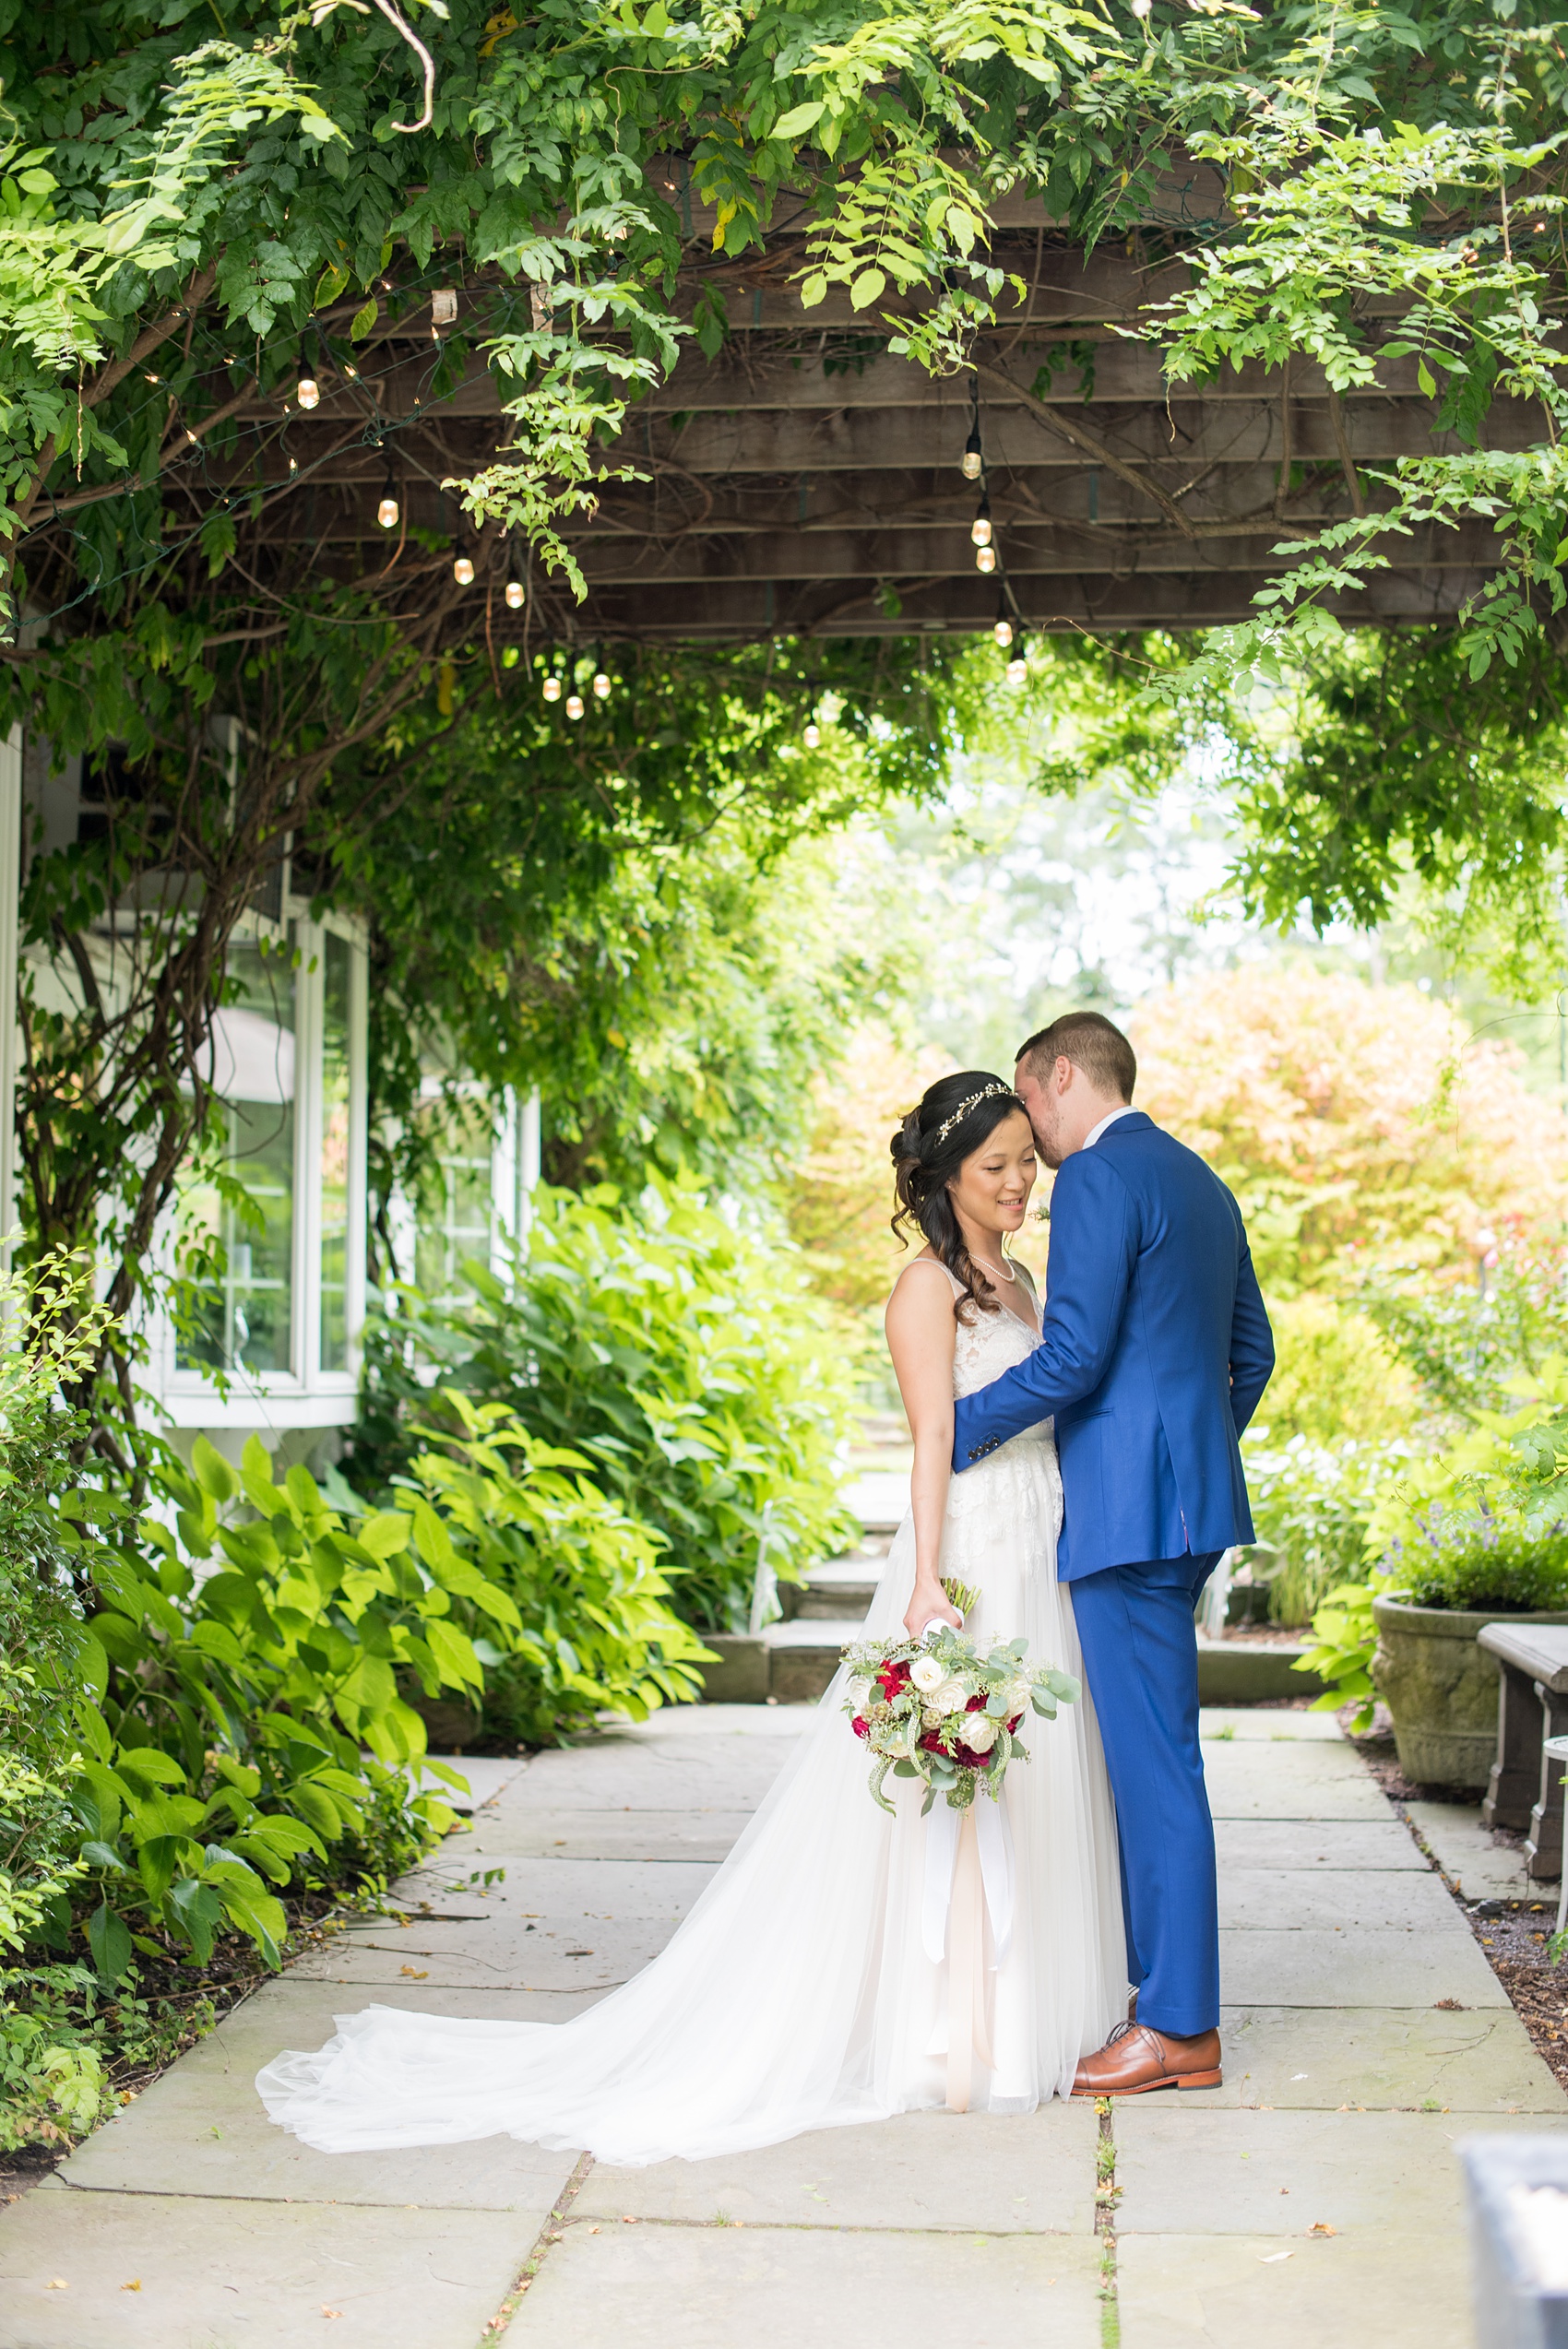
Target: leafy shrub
point(596, 1630)
point(1336, 1376)
point(682, 1358)
point(224, 1711)
point(1344, 1641)
point(1466, 1347)
point(1482, 1562)
point(1312, 1505)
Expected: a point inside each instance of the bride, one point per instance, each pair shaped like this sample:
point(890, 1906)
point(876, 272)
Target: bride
point(842, 1965)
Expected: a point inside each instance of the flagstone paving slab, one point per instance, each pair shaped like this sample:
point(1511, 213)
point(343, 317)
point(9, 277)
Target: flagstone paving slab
point(1388, 2058)
point(1464, 1850)
point(704, 1833)
point(1381, 1843)
point(1261, 1725)
point(1182, 2171)
point(662, 1773)
point(1370, 1968)
point(1395, 2287)
point(691, 2287)
point(1348, 1899)
point(1240, 1789)
point(1028, 2173)
point(227, 2274)
point(545, 1925)
point(206, 2110)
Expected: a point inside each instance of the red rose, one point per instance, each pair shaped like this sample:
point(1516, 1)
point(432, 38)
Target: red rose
point(861, 1729)
point(1012, 1724)
point(976, 1704)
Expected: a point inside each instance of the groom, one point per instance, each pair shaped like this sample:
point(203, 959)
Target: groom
point(1154, 1351)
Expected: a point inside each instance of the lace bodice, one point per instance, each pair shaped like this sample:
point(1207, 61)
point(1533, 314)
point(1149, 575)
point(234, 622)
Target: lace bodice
point(987, 1344)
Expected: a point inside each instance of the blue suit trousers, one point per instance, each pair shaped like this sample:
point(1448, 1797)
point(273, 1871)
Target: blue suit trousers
point(1141, 1657)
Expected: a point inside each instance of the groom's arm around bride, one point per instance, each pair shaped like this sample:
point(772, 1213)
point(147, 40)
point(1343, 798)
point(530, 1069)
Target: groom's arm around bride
point(1154, 1353)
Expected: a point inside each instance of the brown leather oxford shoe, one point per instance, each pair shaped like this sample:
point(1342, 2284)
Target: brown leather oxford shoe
point(1135, 2060)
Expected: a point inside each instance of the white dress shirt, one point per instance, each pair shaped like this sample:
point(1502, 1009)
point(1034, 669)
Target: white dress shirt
point(1110, 1119)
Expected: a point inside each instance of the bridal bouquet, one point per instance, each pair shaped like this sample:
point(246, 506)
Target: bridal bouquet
point(938, 1710)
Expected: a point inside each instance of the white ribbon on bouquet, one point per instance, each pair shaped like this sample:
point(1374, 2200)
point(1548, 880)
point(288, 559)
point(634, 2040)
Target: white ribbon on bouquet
point(994, 1840)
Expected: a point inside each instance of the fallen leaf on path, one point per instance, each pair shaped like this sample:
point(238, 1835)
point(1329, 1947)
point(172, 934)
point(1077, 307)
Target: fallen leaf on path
point(414, 1975)
point(1323, 2228)
point(330, 2312)
point(56, 2284)
point(132, 2288)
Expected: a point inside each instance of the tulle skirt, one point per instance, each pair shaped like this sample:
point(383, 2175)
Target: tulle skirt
point(798, 1993)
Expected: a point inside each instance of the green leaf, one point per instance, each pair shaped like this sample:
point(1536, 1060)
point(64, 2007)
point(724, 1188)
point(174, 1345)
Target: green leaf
point(363, 319)
point(100, 1854)
point(109, 1939)
point(212, 1471)
point(799, 119)
point(1424, 377)
point(866, 287)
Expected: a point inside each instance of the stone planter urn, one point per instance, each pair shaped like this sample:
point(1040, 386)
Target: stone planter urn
point(1441, 1688)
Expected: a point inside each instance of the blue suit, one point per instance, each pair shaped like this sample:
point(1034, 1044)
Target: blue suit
point(1154, 1351)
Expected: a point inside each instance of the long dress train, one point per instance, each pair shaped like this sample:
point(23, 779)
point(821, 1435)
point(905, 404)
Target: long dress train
point(798, 1993)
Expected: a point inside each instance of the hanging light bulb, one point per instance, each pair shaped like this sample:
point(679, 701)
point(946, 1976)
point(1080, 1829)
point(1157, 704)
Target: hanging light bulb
point(514, 595)
point(574, 705)
point(1017, 668)
point(812, 736)
point(601, 687)
point(307, 391)
point(386, 512)
point(553, 689)
point(980, 528)
point(972, 461)
point(985, 560)
point(1003, 632)
point(463, 572)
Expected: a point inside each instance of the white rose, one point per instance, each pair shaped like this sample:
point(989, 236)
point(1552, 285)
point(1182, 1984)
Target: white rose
point(926, 1674)
point(951, 1697)
point(859, 1694)
point(1017, 1695)
point(980, 1732)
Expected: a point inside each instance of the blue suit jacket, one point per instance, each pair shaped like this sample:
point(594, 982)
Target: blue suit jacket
point(1156, 1349)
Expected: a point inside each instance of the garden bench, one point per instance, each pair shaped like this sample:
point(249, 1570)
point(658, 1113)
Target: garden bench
point(1532, 1705)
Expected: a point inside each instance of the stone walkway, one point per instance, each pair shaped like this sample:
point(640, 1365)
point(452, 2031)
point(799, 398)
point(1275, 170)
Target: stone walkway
point(1315, 2197)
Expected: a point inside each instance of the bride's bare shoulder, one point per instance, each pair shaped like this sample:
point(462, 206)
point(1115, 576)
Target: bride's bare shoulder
point(918, 1301)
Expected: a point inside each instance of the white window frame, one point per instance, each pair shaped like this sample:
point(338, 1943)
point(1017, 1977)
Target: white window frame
point(305, 1395)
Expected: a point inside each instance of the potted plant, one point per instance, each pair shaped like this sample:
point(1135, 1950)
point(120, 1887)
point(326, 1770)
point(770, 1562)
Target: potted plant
point(1472, 1568)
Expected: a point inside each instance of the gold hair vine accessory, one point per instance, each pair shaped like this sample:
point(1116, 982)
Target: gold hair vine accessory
point(962, 1111)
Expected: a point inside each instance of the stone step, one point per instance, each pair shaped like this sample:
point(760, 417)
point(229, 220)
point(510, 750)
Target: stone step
point(839, 1588)
point(793, 1662)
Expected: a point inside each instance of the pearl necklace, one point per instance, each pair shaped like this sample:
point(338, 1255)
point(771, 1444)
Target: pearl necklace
point(1002, 1272)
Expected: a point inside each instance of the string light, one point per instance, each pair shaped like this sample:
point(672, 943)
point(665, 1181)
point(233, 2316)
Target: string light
point(514, 595)
point(980, 528)
point(1017, 668)
point(307, 391)
point(973, 461)
point(985, 560)
point(386, 512)
point(601, 687)
point(463, 571)
point(1003, 632)
point(574, 706)
point(553, 689)
point(813, 735)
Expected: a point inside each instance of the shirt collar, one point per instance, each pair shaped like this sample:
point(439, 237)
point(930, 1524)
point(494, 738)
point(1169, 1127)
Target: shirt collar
point(1110, 1119)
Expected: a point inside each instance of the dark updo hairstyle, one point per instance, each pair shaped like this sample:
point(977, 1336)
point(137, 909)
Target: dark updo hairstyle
point(956, 1118)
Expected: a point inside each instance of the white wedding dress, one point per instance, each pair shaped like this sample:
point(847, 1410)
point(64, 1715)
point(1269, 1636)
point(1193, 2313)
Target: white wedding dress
point(798, 1994)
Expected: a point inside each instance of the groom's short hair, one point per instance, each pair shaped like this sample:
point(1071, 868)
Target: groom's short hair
point(1092, 1043)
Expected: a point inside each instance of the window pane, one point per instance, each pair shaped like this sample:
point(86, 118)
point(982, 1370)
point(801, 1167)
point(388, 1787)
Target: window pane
point(244, 1317)
point(337, 965)
point(455, 1210)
